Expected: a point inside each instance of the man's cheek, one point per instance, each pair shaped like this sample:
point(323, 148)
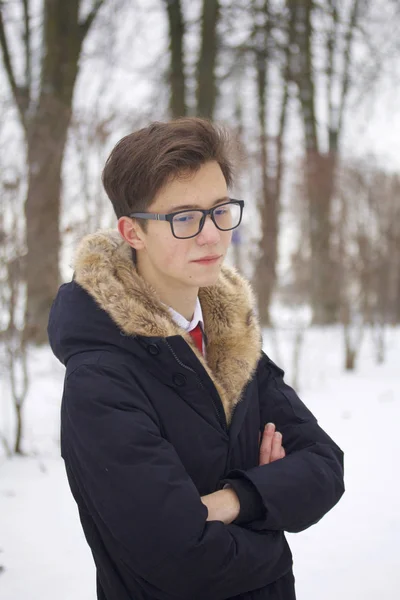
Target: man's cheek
point(170, 261)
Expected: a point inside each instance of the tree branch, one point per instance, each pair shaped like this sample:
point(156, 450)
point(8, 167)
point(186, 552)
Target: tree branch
point(27, 46)
point(86, 25)
point(15, 88)
point(331, 53)
point(284, 107)
point(302, 68)
point(347, 63)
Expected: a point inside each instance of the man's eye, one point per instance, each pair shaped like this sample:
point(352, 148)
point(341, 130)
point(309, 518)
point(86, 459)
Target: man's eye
point(221, 211)
point(184, 219)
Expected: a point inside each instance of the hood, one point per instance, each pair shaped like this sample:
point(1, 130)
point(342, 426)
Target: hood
point(108, 297)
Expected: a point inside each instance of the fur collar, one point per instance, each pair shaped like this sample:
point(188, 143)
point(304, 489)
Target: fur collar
point(104, 268)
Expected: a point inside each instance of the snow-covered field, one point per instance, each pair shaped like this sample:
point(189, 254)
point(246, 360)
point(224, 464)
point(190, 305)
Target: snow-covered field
point(353, 553)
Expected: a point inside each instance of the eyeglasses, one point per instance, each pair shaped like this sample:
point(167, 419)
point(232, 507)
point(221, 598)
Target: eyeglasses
point(186, 224)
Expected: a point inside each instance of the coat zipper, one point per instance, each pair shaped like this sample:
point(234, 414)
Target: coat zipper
point(220, 418)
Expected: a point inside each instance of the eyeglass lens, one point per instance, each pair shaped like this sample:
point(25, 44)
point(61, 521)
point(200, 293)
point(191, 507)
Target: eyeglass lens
point(187, 224)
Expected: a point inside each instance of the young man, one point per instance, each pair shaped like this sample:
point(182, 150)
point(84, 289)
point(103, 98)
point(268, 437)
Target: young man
point(172, 416)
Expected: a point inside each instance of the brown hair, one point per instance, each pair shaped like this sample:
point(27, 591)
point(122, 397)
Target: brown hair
point(143, 162)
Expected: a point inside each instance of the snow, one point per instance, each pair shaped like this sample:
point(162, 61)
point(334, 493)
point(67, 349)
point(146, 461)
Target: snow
point(44, 553)
point(352, 553)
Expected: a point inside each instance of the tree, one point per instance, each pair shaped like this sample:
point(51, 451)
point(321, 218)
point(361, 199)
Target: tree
point(44, 107)
point(177, 78)
point(367, 226)
point(205, 75)
point(12, 300)
point(271, 149)
point(320, 166)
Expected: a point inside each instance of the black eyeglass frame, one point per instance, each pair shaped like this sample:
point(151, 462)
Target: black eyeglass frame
point(210, 211)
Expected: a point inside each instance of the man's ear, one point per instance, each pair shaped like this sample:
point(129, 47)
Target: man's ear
point(131, 232)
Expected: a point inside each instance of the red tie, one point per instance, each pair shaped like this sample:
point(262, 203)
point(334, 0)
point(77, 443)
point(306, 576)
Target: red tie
point(197, 335)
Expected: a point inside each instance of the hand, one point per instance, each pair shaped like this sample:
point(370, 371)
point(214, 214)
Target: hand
point(271, 448)
point(222, 506)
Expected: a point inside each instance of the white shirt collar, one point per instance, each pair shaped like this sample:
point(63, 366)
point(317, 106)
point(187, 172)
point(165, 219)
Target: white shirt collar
point(184, 323)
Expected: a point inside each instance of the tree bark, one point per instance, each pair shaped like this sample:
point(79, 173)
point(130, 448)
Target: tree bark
point(319, 170)
point(397, 306)
point(177, 79)
point(46, 123)
point(395, 254)
point(46, 137)
point(18, 433)
point(271, 170)
point(46, 143)
point(206, 76)
point(324, 284)
point(266, 263)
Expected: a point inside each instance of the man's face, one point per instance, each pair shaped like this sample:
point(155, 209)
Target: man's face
point(177, 260)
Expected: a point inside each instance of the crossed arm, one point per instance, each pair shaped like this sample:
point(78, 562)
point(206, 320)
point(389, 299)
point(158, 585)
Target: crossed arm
point(296, 492)
point(224, 505)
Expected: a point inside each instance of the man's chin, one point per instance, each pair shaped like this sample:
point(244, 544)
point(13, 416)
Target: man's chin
point(208, 279)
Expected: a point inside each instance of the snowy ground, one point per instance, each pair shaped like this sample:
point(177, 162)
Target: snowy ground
point(353, 553)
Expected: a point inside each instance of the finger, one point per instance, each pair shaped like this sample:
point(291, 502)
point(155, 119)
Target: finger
point(276, 446)
point(266, 443)
point(283, 453)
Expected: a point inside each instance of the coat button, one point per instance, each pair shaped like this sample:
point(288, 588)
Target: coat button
point(153, 349)
point(179, 379)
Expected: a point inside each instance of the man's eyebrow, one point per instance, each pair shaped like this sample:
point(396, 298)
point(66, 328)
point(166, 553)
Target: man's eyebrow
point(196, 206)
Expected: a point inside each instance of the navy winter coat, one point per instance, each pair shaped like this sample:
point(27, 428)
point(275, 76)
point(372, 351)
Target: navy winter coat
point(149, 426)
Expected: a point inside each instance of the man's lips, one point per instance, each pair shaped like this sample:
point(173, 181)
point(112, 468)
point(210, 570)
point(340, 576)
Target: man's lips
point(212, 258)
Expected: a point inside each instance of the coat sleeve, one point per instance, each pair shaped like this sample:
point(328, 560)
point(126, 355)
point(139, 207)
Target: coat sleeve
point(298, 490)
point(138, 492)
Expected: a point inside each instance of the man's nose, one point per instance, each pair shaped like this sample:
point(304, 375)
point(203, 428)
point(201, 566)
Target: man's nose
point(210, 234)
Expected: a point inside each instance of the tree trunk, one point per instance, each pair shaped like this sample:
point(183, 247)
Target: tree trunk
point(18, 434)
point(395, 254)
point(350, 363)
point(324, 280)
point(206, 76)
point(266, 274)
point(45, 121)
point(397, 303)
point(265, 268)
point(46, 139)
point(177, 81)
point(320, 171)
point(271, 168)
point(46, 144)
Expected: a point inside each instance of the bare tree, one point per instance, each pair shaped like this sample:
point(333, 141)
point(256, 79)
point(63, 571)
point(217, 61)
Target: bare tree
point(271, 149)
point(321, 166)
point(205, 77)
point(44, 106)
point(367, 252)
point(206, 93)
point(12, 299)
point(177, 77)
point(16, 350)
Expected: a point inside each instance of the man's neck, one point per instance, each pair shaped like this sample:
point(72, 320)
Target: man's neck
point(181, 298)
